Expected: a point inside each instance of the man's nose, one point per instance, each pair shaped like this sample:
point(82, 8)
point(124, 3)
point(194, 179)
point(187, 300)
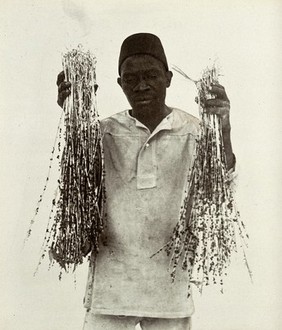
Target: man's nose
point(142, 85)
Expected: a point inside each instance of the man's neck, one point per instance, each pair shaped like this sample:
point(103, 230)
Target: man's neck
point(150, 117)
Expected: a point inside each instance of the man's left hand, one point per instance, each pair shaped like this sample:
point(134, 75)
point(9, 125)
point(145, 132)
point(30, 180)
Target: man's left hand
point(220, 105)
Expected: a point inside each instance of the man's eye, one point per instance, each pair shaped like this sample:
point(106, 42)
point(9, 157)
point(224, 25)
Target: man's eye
point(152, 76)
point(129, 80)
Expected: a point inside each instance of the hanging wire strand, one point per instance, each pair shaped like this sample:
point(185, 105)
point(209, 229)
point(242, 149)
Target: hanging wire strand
point(77, 216)
point(209, 224)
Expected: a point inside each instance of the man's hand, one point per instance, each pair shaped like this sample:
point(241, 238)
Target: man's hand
point(63, 88)
point(220, 105)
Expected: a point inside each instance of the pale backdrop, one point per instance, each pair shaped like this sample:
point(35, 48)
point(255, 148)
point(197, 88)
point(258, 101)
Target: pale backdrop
point(245, 36)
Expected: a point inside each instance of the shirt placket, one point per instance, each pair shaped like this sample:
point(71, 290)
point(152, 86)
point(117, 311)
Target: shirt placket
point(146, 161)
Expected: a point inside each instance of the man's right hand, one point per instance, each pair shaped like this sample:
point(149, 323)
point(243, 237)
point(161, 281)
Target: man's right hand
point(63, 88)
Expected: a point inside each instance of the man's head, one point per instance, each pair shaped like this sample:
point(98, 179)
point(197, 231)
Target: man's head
point(143, 69)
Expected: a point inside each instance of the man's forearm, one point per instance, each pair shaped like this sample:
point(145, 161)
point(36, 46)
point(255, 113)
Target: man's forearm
point(230, 158)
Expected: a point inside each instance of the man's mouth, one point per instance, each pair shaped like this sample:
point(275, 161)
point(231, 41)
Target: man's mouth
point(144, 100)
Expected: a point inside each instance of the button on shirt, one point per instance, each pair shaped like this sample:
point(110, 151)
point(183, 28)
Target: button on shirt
point(145, 178)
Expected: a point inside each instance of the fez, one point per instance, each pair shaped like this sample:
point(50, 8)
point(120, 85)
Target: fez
point(142, 43)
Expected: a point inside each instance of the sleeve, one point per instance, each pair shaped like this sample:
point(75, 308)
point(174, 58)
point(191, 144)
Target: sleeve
point(232, 175)
point(87, 300)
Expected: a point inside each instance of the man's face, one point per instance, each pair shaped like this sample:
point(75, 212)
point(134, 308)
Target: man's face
point(144, 81)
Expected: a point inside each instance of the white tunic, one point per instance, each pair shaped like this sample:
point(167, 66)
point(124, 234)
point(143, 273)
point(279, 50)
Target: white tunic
point(145, 177)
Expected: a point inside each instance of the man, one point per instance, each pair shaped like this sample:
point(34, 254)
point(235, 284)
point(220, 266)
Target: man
point(148, 152)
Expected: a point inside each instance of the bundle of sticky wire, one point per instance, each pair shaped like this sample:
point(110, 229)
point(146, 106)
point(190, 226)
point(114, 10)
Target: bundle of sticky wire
point(78, 217)
point(205, 235)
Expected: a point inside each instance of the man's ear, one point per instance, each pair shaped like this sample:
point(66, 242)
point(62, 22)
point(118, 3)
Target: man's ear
point(169, 75)
point(119, 81)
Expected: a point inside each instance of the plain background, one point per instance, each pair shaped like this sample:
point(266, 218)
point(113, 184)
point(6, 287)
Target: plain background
point(245, 37)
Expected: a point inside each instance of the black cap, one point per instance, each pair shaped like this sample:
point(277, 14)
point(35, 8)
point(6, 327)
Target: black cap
point(142, 43)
